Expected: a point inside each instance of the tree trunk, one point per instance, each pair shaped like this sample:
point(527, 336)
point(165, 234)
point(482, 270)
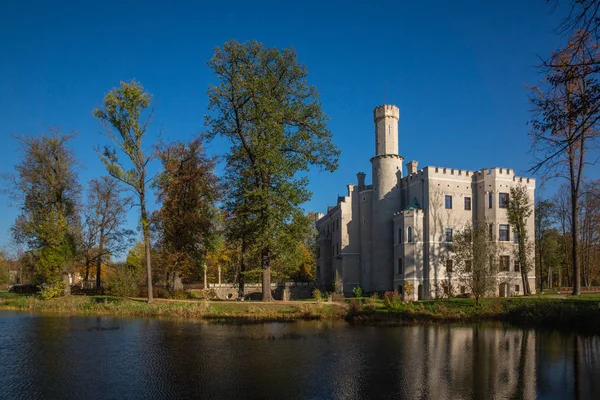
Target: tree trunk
point(575, 243)
point(242, 275)
point(177, 284)
point(87, 273)
point(266, 281)
point(99, 262)
point(146, 232)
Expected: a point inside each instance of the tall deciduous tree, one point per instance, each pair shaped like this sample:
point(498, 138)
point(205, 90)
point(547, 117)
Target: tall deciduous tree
point(104, 234)
point(47, 192)
point(518, 212)
point(273, 120)
point(188, 191)
point(124, 123)
point(543, 223)
point(565, 126)
point(476, 259)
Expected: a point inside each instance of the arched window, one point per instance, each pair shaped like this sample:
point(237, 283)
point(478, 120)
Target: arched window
point(399, 235)
point(409, 235)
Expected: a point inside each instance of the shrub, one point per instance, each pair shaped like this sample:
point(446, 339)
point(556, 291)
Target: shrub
point(317, 295)
point(392, 300)
point(358, 291)
point(371, 302)
point(354, 307)
point(122, 283)
point(51, 290)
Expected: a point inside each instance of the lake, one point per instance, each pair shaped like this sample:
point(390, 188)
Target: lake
point(59, 357)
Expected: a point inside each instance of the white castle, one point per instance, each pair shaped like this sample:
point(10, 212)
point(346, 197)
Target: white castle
point(396, 230)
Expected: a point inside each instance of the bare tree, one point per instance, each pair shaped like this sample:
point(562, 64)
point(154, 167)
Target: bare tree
point(476, 259)
point(103, 231)
point(565, 127)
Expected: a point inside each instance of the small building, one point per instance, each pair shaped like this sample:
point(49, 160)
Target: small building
point(397, 229)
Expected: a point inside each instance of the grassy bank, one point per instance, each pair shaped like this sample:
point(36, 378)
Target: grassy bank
point(574, 313)
point(207, 310)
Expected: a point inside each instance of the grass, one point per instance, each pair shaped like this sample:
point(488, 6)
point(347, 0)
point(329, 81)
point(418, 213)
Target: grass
point(573, 313)
point(580, 313)
point(208, 310)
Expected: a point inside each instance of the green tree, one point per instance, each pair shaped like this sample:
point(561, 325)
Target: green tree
point(123, 122)
point(518, 212)
point(273, 120)
point(543, 221)
point(47, 192)
point(475, 259)
point(186, 222)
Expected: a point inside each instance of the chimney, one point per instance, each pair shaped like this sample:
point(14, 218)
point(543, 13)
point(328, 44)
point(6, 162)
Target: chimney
point(412, 167)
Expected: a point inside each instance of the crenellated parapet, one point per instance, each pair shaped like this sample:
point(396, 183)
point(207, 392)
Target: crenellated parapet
point(386, 111)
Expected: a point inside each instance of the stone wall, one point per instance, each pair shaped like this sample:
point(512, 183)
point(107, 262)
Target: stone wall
point(280, 291)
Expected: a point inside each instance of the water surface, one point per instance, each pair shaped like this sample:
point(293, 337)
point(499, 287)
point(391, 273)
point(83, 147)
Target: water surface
point(57, 357)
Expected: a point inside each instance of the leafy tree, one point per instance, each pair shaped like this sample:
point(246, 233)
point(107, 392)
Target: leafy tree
point(272, 118)
point(518, 212)
point(543, 222)
point(47, 192)
point(565, 126)
point(475, 259)
point(188, 191)
point(104, 234)
point(121, 117)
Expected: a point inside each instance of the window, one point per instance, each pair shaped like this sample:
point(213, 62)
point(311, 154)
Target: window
point(400, 269)
point(318, 252)
point(490, 199)
point(463, 290)
point(448, 234)
point(332, 251)
point(503, 203)
point(468, 265)
point(448, 201)
point(449, 266)
point(516, 266)
point(515, 238)
point(504, 263)
point(467, 203)
point(504, 233)
point(409, 234)
point(491, 231)
point(517, 288)
point(399, 235)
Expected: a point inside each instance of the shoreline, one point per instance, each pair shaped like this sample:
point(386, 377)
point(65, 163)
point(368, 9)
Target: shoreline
point(581, 315)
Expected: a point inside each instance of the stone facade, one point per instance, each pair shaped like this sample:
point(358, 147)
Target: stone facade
point(396, 230)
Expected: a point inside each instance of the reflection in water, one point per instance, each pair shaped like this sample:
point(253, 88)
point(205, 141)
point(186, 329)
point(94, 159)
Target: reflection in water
point(103, 357)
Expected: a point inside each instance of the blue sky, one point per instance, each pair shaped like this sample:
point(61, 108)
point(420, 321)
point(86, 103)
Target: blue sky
point(458, 70)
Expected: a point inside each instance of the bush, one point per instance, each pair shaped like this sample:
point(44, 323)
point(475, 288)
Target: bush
point(371, 302)
point(358, 291)
point(392, 300)
point(181, 295)
point(354, 307)
point(317, 295)
point(51, 290)
point(122, 283)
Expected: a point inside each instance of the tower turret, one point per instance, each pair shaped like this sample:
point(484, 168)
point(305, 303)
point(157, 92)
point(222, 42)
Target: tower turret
point(386, 129)
point(387, 172)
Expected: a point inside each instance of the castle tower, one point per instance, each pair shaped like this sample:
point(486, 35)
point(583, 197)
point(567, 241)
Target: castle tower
point(387, 172)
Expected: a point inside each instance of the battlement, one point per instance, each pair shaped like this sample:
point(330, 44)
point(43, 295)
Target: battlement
point(504, 173)
point(442, 171)
point(386, 110)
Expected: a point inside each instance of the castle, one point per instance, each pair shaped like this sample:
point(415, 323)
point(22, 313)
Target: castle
point(396, 230)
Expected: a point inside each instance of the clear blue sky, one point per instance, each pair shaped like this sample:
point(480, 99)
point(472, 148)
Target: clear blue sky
point(458, 70)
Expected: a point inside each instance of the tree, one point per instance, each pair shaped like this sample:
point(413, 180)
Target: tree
point(565, 126)
point(543, 223)
point(47, 192)
point(518, 212)
point(186, 222)
point(476, 259)
point(121, 117)
point(103, 232)
point(590, 232)
point(273, 120)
